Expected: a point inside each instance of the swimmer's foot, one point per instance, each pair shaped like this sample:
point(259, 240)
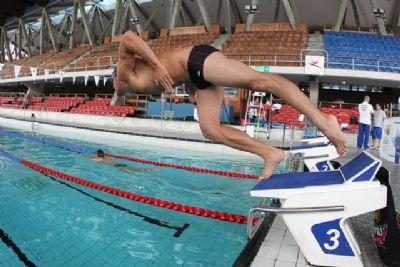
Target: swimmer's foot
point(334, 134)
point(271, 160)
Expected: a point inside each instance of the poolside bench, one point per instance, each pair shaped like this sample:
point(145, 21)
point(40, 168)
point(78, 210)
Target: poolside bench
point(315, 207)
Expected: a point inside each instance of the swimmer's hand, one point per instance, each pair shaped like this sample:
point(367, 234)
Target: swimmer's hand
point(335, 135)
point(161, 76)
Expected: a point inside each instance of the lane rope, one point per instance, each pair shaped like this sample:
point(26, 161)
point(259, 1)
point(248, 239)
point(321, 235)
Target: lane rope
point(198, 211)
point(87, 151)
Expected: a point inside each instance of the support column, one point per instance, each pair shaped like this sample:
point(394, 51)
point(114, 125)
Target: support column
point(314, 90)
point(50, 29)
point(135, 14)
point(25, 36)
point(117, 15)
point(124, 20)
point(277, 10)
point(204, 14)
point(379, 20)
point(356, 12)
point(289, 14)
point(42, 32)
point(64, 22)
point(2, 50)
point(228, 17)
point(86, 22)
point(147, 24)
point(251, 16)
point(295, 10)
point(340, 15)
point(7, 44)
point(19, 42)
point(175, 9)
point(188, 13)
point(73, 26)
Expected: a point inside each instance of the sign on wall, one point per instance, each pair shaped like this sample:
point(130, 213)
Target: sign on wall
point(315, 65)
point(390, 143)
point(261, 68)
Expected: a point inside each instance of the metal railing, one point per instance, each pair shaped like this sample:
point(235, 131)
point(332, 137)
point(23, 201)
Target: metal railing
point(267, 59)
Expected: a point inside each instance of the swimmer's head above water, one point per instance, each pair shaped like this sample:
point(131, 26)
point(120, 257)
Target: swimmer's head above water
point(100, 153)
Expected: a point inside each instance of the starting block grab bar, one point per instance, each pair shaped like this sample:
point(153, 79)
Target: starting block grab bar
point(322, 231)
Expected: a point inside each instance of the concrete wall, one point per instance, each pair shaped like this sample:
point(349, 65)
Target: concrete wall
point(183, 129)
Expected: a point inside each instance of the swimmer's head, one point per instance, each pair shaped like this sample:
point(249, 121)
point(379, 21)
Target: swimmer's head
point(100, 153)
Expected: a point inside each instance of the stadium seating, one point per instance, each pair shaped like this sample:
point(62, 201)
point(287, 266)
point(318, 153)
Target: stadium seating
point(56, 104)
point(183, 37)
point(101, 106)
point(61, 59)
point(268, 44)
point(101, 57)
point(289, 116)
point(372, 52)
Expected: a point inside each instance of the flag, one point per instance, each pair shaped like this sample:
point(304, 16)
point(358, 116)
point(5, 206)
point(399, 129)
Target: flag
point(96, 79)
point(86, 79)
point(17, 70)
point(33, 71)
point(61, 72)
point(105, 80)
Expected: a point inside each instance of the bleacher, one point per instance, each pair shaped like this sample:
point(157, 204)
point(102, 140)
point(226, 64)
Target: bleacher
point(183, 37)
point(290, 116)
point(270, 44)
point(61, 59)
point(101, 106)
point(362, 51)
point(56, 104)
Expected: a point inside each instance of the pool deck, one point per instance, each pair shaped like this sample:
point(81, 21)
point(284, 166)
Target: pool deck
point(281, 250)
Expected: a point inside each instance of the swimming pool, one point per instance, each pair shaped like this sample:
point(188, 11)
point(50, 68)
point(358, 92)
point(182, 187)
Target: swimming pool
point(52, 222)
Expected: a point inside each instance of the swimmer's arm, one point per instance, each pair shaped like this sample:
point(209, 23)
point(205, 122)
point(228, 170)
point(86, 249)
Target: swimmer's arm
point(134, 45)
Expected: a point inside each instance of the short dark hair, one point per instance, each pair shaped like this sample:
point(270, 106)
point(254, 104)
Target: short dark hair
point(100, 153)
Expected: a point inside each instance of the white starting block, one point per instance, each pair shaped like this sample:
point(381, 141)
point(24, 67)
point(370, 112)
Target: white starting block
point(316, 157)
point(315, 140)
point(316, 205)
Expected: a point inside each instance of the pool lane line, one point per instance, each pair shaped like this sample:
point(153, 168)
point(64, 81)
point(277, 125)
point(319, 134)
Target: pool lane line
point(87, 151)
point(179, 229)
point(9, 243)
point(198, 211)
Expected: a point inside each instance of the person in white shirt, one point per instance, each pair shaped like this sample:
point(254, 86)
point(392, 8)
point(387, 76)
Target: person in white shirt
point(366, 110)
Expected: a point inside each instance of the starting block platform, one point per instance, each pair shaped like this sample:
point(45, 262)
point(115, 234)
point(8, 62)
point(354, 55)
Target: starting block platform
point(316, 206)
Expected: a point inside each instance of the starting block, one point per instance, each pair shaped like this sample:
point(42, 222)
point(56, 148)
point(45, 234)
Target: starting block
point(315, 207)
point(316, 156)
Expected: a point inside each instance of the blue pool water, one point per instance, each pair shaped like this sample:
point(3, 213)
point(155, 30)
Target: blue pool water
point(57, 223)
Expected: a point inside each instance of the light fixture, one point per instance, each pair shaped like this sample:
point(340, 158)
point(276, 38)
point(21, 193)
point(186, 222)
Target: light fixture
point(251, 8)
point(134, 20)
point(344, 82)
point(379, 12)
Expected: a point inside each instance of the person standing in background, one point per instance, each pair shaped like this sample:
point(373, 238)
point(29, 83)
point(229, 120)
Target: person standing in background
point(365, 109)
point(379, 118)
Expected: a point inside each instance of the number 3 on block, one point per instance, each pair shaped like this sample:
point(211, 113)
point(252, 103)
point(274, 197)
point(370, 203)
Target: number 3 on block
point(334, 235)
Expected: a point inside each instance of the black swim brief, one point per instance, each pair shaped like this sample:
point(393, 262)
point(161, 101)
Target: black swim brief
point(195, 64)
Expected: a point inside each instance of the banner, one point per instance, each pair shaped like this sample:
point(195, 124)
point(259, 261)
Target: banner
point(17, 70)
point(61, 72)
point(105, 81)
point(390, 144)
point(33, 71)
point(73, 79)
point(96, 80)
point(46, 74)
point(315, 65)
point(86, 79)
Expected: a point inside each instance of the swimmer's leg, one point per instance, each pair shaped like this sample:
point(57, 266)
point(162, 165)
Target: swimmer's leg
point(209, 105)
point(222, 71)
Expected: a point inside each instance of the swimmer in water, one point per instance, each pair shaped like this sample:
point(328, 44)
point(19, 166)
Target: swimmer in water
point(206, 71)
point(101, 157)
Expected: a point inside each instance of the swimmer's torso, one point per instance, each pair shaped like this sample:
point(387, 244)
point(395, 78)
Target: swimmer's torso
point(141, 77)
